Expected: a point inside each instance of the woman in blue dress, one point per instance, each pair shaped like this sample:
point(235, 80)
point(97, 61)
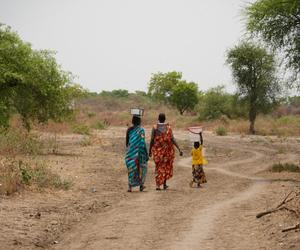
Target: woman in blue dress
point(136, 157)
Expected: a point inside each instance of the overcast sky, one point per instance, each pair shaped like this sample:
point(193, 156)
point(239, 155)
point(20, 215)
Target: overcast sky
point(117, 44)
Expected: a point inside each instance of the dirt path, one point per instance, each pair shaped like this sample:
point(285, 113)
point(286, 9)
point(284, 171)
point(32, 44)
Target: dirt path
point(221, 215)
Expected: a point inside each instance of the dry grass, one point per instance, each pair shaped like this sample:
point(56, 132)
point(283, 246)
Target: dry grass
point(101, 112)
point(10, 179)
point(18, 141)
point(16, 174)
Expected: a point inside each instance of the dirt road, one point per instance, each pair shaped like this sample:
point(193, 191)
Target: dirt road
point(221, 215)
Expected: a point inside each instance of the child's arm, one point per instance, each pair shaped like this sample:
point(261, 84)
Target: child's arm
point(201, 138)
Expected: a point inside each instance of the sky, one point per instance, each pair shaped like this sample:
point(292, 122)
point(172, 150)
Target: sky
point(118, 44)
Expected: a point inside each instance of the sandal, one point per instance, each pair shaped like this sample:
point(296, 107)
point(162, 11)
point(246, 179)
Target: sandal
point(142, 188)
point(158, 188)
point(166, 186)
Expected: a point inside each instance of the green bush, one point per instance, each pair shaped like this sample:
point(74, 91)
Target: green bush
point(91, 114)
point(216, 103)
point(15, 141)
point(99, 125)
point(41, 176)
point(288, 167)
point(86, 141)
point(221, 131)
point(81, 129)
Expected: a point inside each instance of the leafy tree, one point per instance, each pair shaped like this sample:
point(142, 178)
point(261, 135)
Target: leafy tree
point(120, 93)
point(212, 103)
point(161, 85)
point(31, 82)
point(115, 93)
point(140, 93)
point(253, 70)
point(216, 102)
point(184, 96)
point(277, 22)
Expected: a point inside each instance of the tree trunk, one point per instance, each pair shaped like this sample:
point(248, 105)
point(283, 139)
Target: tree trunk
point(252, 117)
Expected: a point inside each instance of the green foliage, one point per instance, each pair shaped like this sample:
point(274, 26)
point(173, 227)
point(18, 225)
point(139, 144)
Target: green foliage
point(81, 129)
point(184, 96)
point(74, 91)
point(171, 89)
point(100, 125)
point(41, 176)
point(288, 167)
point(277, 22)
point(140, 93)
point(86, 141)
point(91, 114)
point(123, 93)
point(253, 69)
point(161, 85)
point(293, 101)
point(216, 102)
point(221, 131)
point(15, 141)
point(31, 82)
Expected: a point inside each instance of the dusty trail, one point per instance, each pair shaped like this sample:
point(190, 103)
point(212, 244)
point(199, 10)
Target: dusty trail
point(179, 218)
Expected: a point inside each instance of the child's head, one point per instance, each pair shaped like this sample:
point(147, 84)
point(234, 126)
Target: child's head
point(196, 144)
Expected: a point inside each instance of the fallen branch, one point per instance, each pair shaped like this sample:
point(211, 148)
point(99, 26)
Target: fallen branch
point(279, 207)
point(259, 215)
point(291, 228)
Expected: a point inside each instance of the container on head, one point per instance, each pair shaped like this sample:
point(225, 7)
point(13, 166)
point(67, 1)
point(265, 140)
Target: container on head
point(137, 111)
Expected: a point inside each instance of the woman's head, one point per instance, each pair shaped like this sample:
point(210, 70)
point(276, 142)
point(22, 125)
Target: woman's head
point(136, 120)
point(161, 117)
point(196, 144)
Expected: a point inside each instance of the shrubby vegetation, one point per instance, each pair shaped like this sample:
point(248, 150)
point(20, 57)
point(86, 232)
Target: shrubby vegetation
point(169, 88)
point(277, 23)
point(32, 84)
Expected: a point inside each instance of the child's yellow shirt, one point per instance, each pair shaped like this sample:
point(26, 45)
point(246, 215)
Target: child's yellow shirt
point(197, 157)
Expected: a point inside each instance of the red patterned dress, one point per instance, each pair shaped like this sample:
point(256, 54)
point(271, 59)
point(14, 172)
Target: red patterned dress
point(163, 154)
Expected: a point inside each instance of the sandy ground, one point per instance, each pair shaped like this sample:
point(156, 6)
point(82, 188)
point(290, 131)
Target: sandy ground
point(98, 213)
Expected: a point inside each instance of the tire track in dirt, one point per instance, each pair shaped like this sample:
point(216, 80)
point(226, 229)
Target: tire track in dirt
point(163, 220)
point(201, 232)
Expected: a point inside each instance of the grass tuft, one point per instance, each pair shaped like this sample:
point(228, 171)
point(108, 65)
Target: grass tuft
point(221, 131)
point(81, 129)
point(287, 167)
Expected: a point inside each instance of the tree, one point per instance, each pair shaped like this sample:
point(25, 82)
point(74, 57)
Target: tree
point(216, 102)
point(161, 85)
point(253, 70)
point(277, 22)
point(32, 84)
point(184, 96)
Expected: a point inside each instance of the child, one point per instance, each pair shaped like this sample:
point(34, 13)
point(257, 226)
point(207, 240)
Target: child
point(198, 161)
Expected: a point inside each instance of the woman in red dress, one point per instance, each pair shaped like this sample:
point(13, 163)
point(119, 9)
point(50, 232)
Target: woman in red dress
point(162, 149)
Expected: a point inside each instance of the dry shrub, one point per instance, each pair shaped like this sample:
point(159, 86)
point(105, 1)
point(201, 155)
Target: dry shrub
point(17, 174)
point(10, 180)
point(19, 141)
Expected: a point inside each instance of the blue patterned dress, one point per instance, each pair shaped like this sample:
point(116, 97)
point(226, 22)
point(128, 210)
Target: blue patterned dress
point(136, 156)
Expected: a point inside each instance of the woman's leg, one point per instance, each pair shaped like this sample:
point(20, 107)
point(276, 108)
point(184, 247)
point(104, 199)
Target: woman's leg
point(129, 188)
point(165, 185)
